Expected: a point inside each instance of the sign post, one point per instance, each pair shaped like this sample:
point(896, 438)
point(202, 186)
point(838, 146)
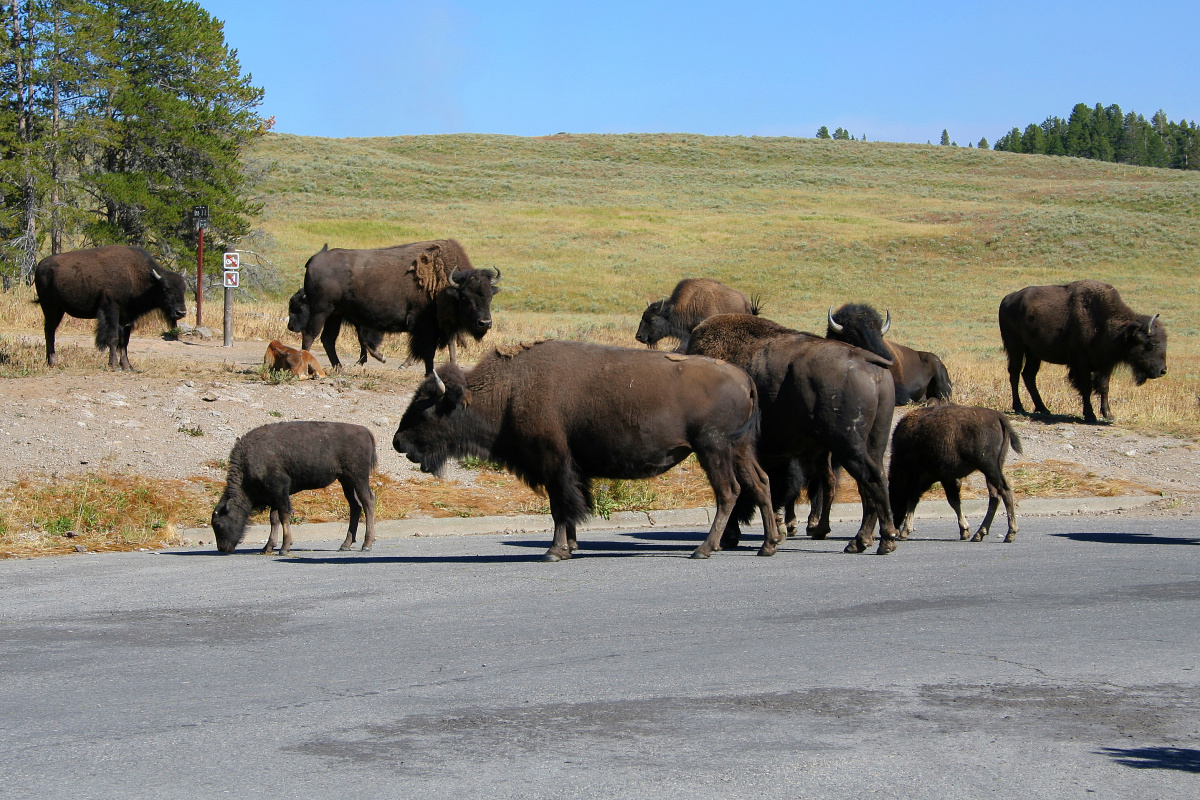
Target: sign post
point(200, 217)
point(230, 278)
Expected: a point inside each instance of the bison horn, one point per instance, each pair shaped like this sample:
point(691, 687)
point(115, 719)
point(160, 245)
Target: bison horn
point(496, 277)
point(832, 324)
point(887, 323)
point(158, 277)
point(1150, 325)
point(453, 282)
point(441, 387)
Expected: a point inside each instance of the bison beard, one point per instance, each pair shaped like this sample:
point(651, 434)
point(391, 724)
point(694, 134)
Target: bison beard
point(559, 414)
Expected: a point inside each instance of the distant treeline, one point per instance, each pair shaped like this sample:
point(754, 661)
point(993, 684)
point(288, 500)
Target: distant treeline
point(1107, 134)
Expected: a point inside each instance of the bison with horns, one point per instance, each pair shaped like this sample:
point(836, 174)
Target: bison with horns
point(1086, 326)
point(919, 375)
point(427, 289)
point(114, 285)
point(559, 414)
point(820, 400)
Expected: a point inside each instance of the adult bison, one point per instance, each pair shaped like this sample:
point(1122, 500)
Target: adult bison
point(919, 375)
point(1086, 326)
point(819, 399)
point(115, 285)
point(693, 301)
point(427, 289)
point(369, 339)
point(559, 414)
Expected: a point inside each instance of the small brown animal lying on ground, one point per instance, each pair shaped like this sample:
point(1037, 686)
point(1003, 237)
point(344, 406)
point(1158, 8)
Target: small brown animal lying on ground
point(947, 443)
point(272, 462)
point(301, 362)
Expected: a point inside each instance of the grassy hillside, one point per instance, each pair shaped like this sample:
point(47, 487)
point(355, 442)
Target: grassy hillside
point(588, 228)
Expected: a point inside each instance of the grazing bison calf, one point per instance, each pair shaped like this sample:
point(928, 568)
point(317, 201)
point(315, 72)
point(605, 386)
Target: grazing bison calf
point(114, 285)
point(301, 363)
point(558, 414)
point(693, 301)
point(947, 443)
point(272, 462)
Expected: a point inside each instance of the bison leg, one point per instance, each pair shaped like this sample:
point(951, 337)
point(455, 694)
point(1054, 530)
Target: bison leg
point(717, 460)
point(1014, 376)
point(568, 494)
point(821, 491)
point(108, 332)
point(985, 527)
point(953, 488)
point(755, 479)
point(361, 500)
point(1029, 375)
point(123, 346)
point(1010, 508)
point(872, 485)
point(1080, 376)
point(329, 336)
point(273, 539)
point(54, 317)
point(1100, 383)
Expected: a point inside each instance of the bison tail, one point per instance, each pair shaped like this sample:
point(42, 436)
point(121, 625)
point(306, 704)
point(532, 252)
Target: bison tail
point(756, 304)
point(1014, 441)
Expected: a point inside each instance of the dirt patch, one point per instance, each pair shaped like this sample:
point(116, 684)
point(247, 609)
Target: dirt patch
point(177, 419)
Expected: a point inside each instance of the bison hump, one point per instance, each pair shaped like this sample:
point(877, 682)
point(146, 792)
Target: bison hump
point(429, 268)
point(511, 350)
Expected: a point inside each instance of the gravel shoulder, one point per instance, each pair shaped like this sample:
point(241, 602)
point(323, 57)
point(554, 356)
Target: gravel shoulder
point(184, 425)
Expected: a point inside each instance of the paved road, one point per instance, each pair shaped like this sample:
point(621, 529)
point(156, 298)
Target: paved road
point(1059, 667)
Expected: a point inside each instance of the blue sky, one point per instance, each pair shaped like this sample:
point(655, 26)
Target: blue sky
point(893, 71)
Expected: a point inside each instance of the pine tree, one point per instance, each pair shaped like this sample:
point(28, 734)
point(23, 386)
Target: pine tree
point(945, 137)
point(983, 143)
point(823, 133)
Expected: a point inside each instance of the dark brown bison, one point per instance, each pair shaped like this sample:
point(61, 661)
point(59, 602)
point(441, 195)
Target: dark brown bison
point(427, 289)
point(272, 462)
point(919, 375)
point(693, 301)
point(1086, 326)
point(819, 399)
point(947, 443)
point(114, 285)
point(560, 414)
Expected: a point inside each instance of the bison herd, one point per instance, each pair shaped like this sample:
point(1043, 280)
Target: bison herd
point(768, 411)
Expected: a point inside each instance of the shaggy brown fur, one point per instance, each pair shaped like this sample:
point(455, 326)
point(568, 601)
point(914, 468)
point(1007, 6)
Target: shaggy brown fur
point(693, 301)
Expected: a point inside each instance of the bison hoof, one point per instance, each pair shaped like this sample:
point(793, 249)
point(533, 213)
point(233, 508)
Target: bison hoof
point(553, 556)
point(855, 546)
point(366, 548)
point(698, 553)
point(346, 547)
point(978, 537)
point(886, 545)
point(730, 544)
point(1012, 537)
point(817, 533)
point(767, 550)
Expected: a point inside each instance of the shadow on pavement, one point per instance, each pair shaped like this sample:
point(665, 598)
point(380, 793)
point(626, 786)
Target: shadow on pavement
point(1181, 759)
point(1127, 538)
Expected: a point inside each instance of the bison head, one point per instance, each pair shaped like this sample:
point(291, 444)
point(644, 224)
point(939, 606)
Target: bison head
point(298, 312)
point(172, 288)
point(1147, 353)
point(861, 326)
point(437, 423)
point(654, 325)
point(229, 525)
point(471, 292)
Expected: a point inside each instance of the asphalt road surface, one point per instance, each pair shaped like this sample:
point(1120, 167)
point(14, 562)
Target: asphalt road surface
point(1061, 666)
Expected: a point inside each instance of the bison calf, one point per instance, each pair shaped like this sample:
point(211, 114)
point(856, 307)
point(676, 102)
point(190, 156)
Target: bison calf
point(272, 462)
point(947, 443)
point(301, 363)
